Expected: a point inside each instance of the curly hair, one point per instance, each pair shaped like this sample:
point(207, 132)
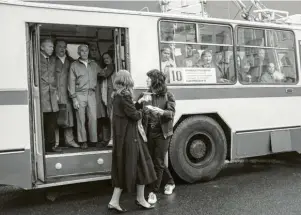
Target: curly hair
point(158, 84)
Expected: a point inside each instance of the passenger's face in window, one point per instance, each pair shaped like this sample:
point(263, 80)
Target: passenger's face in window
point(83, 52)
point(261, 54)
point(107, 59)
point(93, 52)
point(207, 58)
point(189, 51)
point(60, 48)
point(271, 68)
point(47, 48)
point(165, 54)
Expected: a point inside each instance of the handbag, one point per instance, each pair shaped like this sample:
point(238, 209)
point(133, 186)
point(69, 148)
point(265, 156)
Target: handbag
point(62, 119)
point(141, 130)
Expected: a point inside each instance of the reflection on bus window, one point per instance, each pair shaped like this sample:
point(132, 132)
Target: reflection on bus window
point(206, 61)
point(250, 37)
point(270, 63)
point(176, 31)
point(214, 34)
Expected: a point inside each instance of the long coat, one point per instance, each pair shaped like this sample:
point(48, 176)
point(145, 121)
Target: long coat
point(48, 86)
point(104, 110)
point(131, 161)
point(62, 71)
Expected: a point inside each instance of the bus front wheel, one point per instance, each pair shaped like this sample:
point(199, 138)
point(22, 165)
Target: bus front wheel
point(198, 149)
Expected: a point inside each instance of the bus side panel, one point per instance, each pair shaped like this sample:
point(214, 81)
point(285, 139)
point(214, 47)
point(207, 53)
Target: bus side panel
point(15, 168)
point(15, 148)
point(259, 143)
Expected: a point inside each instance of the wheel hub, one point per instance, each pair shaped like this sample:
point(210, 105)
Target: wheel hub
point(198, 149)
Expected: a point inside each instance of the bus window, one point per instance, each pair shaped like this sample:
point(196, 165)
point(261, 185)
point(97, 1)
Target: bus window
point(72, 50)
point(205, 60)
point(266, 60)
point(250, 37)
point(177, 31)
point(214, 34)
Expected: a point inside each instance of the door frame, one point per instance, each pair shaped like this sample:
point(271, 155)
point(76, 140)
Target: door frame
point(37, 134)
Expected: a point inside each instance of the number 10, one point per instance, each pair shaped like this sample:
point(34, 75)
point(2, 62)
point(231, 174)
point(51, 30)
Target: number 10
point(177, 75)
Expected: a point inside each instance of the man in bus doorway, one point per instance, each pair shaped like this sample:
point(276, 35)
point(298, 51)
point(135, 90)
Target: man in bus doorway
point(82, 86)
point(49, 95)
point(65, 118)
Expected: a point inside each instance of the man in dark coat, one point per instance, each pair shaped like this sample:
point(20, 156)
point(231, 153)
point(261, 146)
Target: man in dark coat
point(63, 63)
point(49, 95)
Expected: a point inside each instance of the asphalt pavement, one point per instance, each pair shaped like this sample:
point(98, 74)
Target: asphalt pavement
point(259, 188)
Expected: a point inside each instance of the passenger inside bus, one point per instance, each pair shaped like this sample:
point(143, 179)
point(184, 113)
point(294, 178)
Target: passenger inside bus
point(259, 65)
point(105, 106)
point(271, 75)
point(207, 62)
point(66, 45)
point(65, 118)
point(167, 61)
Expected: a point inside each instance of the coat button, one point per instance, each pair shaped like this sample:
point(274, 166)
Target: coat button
point(135, 140)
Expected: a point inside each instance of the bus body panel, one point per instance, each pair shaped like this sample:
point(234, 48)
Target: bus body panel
point(272, 113)
point(142, 34)
point(16, 168)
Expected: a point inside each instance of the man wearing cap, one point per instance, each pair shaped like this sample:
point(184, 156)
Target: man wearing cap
point(49, 95)
point(82, 85)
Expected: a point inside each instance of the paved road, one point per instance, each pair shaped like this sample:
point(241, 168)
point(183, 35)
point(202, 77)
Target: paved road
point(239, 189)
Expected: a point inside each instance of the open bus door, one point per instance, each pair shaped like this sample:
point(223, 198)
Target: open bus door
point(121, 45)
point(36, 116)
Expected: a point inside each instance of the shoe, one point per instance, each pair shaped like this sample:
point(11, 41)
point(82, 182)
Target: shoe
point(168, 189)
point(84, 146)
point(56, 144)
point(152, 198)
point(110, 143)
point(72, 145)
point(101, 145)
point(141, 206)
point(113, 208)
point(56, 149)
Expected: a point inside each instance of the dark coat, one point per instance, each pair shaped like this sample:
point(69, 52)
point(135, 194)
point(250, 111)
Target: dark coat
point(62, 72)
point(166, 102)
point(102, 109)
point(131, 161)
point(49, 95)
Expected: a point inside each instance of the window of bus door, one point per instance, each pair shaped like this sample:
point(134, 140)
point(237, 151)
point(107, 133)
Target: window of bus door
point(266, 56)
point(196, 53)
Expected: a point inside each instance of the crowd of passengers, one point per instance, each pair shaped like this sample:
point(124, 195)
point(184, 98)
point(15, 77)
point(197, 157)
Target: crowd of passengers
point(101, 97)
point(263, 72)
point(77, 89)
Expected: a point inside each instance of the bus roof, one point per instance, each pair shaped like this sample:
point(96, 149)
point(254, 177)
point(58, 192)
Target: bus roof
point(144, 13)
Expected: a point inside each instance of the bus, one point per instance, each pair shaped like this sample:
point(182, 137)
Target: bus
point(236, 85)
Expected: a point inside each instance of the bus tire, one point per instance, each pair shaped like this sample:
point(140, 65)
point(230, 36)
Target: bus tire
point(198, 149)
